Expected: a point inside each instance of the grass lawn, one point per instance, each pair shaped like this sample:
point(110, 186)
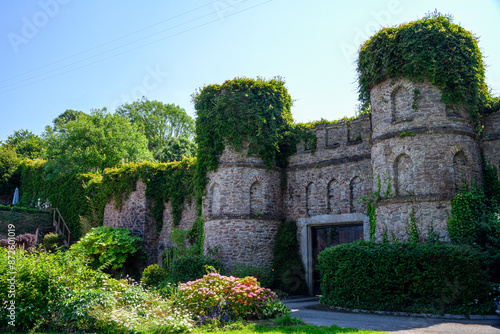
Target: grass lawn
point(269, 327)
point(283, 325)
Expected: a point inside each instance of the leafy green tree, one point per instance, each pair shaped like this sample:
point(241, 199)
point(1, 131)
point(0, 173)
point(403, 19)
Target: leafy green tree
point(160, 121)
point(26, 144)
point(175, 149)
point(65, 117)
point(94, 142)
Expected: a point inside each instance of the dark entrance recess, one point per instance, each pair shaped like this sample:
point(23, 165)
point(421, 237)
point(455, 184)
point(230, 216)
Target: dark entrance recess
point(331, 235)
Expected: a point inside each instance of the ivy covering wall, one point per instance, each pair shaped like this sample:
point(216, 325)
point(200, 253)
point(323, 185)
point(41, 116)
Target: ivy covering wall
point(432, 48)
point(254, 113)
point(86, 195)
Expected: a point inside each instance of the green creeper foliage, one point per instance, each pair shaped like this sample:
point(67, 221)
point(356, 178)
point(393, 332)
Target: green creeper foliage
point(86, 194)
point(9, 171)
point(467, 209)
point(289, 275)
point(106, 246)
point(408, 277)
point(240, 112)
point(475, 218)
point(431, 48)
point(245, 113)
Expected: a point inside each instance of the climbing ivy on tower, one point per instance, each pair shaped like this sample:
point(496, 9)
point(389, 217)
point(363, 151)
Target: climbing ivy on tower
point(432, 48)
point(242, 112)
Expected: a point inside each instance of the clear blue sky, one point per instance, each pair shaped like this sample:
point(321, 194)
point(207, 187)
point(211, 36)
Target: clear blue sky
point(69, 54)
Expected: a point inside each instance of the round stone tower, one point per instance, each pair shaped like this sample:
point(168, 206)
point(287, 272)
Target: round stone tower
point(422, 151)
point(242, 196)
point(242, 209)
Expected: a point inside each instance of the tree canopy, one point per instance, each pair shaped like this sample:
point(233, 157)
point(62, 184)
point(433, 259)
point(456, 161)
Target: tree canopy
point(65, 117)
point(94, 142)
point(159, 121)
point(26, 144)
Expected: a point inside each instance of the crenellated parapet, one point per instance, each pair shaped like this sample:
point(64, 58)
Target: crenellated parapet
point(332, 178)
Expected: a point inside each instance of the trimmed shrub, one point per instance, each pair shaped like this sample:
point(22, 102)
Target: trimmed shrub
point(410, 277)
point(153, 275)
point(52, 241)
point(191, 267)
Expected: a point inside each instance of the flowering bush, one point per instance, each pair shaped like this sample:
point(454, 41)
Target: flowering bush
point(140, 311)
point(244, 297)
point(57, 291)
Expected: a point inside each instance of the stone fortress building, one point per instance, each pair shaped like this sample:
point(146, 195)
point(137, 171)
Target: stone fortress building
point(413, 152)
point(421, 153)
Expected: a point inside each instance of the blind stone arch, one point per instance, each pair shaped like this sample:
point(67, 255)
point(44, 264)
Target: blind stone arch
point(256, 198)
point(460, 170)
point(334, 197)
point(311, 202)
point(403, 172)
point(355, 194)
point(402, 101)
point(215, 205)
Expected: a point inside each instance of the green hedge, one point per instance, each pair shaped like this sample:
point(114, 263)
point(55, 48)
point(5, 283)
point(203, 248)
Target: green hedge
point(406, 277)
point(289, 275)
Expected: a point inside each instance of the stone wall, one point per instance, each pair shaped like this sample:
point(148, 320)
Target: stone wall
point(135, 216)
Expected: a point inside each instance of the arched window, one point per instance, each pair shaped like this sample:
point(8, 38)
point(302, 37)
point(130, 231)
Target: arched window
point(403, 175)
point(460, 170)
point(356, 191)
point(311, 202)
point(333, 197)
point(401, 104)
point(256, 199)
point(215, 207)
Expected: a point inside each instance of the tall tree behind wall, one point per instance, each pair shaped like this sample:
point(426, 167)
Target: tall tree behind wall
point(168, 128)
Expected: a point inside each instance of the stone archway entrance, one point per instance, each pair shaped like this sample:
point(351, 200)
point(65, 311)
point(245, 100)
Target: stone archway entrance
point(320, 232)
